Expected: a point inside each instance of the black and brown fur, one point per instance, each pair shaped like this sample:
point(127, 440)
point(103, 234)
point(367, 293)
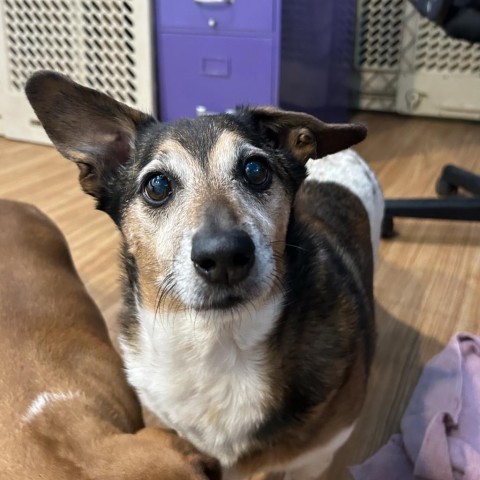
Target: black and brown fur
point(321, 348)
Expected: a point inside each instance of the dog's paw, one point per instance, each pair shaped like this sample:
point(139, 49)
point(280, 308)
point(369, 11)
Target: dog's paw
point(203, 466)
point(151, 454)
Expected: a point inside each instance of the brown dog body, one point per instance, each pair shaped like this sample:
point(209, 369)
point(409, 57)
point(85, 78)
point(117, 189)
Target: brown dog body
point(65, 408)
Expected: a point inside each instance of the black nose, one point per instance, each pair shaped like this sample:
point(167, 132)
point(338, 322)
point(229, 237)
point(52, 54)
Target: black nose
point(223, 256)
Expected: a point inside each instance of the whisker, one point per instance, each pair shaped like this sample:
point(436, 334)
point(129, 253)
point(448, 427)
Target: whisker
point(291, 245)
point(165, 292)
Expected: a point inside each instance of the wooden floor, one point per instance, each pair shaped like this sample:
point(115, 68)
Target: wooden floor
point(427, 282)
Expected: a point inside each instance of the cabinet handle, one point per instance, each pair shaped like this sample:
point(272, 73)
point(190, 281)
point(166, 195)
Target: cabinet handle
point(201, 111)
point(214, 2)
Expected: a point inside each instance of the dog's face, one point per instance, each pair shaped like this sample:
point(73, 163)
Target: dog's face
point(207, 219)
point(203, 204)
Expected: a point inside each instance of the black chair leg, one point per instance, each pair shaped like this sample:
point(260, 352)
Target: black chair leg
point(466, 209)
point(388, 227)
point(453, 178)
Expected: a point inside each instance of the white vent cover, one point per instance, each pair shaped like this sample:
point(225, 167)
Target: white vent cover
point(437, 53)
point(104, 44)
point(377, 52)
point(439, 75)
point(3, 67)
point(405, 63)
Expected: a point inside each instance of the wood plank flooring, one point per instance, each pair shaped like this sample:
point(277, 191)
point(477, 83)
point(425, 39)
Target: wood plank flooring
point(427, 280)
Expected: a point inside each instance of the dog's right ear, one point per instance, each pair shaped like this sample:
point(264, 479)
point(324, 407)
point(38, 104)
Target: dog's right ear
point(87, 127)
point(303, 135)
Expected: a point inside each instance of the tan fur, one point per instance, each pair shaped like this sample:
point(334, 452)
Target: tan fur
point(53, 342)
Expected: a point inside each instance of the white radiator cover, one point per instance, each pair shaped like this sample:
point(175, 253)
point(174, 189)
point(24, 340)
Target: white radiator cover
point(103, 44)
point(377, 53)
point(407, 64)
point(3, 67)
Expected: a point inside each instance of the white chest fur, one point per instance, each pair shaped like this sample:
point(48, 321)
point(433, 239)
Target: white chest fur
point(206, 374)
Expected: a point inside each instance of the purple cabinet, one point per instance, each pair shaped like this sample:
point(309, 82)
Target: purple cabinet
point(217, 16)
point(214, 55)
point(204, 73)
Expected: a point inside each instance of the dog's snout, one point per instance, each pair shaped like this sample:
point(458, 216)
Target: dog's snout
point(224, 257)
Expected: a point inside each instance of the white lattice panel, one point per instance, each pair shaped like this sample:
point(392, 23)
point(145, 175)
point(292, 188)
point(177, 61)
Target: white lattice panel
point(104, 44)
point(377, 52)
point(3, 86)
point(439, 75)
point(405, 63)
point(437, 53)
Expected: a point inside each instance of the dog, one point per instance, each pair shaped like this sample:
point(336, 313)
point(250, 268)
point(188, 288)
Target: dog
point(65, 407)
point(248, 320)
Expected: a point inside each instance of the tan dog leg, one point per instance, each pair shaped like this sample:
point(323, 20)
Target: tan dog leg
point(66, 409)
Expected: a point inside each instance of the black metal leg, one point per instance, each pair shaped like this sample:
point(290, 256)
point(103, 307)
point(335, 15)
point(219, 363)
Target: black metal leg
point(454, 177)
point(445, 189)
point(466, 209)
point(450, 208)
point(388, 228)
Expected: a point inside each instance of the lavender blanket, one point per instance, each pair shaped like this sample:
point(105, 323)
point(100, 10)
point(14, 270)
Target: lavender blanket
point(440, 437)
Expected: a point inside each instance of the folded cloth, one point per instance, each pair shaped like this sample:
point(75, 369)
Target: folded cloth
point(440, 437)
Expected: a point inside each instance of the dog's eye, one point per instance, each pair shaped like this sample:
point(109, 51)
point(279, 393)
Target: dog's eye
point(257, 173)
point(157, 189)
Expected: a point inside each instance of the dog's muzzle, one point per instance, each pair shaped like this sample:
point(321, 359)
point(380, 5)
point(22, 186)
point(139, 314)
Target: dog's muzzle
point(223, 257)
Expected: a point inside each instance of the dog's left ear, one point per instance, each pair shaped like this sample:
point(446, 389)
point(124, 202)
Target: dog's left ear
point(88, 127)
point(304, 135)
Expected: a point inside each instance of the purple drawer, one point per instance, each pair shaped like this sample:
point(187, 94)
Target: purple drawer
point(216, 73)
point(217, 16)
